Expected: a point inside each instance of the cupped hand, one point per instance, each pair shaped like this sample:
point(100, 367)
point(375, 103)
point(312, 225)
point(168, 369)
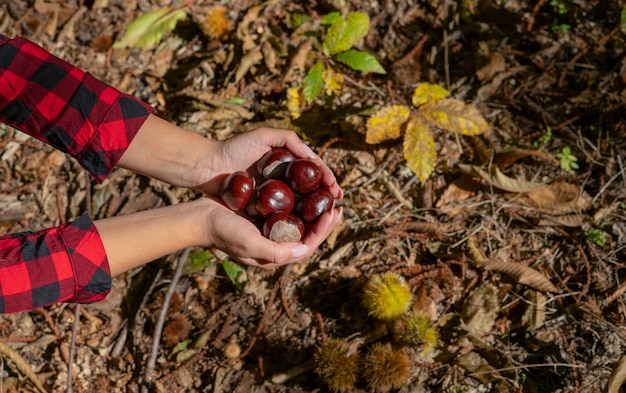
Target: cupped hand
point(242, 151)
point(241, 240)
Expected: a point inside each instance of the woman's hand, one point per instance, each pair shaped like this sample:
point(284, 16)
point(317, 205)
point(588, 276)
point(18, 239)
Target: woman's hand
point(182, 158)
point(241, 240)
point(242, 151)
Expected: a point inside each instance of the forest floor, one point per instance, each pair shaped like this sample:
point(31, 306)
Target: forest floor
point(524, 285)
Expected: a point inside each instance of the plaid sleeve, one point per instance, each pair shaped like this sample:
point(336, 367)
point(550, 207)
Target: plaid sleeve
point(71, 110)
point(62, 264)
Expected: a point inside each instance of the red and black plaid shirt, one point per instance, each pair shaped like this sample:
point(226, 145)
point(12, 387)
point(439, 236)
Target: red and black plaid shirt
point(69, 109)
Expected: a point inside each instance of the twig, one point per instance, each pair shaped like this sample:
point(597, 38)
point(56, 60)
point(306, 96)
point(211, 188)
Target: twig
point(585, 289)
point(266, 313)
point(583, 52)
point(156, 337)
point(283, 295)
point(72, 354)
point(531, 20)
point(22, 366)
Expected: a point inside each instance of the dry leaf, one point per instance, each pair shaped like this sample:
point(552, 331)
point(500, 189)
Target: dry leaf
point(481, 309)
point(535, 314)
point(478, 367)
point(22, 365)
point(429, 228)
point(420, 151)
point(618, 376)
point(496, 64)
point(386, 123)
point(459, 190)
point(504, 159)
point(496, 178)
point(475, 253)
point(482, 149)
point(453, 115)
point(247, 61)
point(522, 274)
point(557, 198)
point(297, 65)
point(568, 220)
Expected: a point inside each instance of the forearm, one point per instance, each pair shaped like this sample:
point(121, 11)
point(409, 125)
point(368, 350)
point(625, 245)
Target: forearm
point(164, 151)
point(138, 238)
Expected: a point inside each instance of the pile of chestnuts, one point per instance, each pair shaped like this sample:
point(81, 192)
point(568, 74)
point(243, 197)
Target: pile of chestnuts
point(285, 200)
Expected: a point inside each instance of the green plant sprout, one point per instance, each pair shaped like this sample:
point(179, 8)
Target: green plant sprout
point(544, 139)
point(561, 9)
point(335, 44)
point(559, 6)
point(597, 236)
point(567, 160)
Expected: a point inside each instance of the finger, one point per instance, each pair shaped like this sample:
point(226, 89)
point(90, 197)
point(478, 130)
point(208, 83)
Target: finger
point(323, 227)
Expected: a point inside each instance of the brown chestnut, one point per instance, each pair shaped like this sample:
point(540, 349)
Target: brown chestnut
point(303, 176)
point(314, 205)
point(273, 196)
point(237, 190)
point(283, 227)
point(274, 163)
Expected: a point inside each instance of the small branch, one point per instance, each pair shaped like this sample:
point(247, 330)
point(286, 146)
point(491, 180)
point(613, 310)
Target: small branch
point(156, 337)
point(266, 313)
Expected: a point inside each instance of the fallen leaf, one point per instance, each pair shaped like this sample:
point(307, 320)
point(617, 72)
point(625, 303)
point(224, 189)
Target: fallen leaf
point(496, 64)
point(535, 314)
point(481, 309)
point(557, 198)
point(618, 376)
point(496, 178)
point(522, 274)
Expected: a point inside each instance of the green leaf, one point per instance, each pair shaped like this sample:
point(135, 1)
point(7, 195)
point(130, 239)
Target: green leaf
point(148, 29)
point(198, 261)
point(336, 30)
point(360, 61)
point(313, 82)
point(298, 19)
point(343, 34)
point(233, 271)
point(328, 19)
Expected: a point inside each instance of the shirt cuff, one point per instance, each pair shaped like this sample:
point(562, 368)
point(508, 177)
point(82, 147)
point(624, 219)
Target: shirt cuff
point(87, 259)
point(114, 131)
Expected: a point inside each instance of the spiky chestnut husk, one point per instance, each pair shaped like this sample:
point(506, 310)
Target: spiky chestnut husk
point(387, 296)
point(216, 24)
point(386, 368)
point(336, 366)
point(416, 328)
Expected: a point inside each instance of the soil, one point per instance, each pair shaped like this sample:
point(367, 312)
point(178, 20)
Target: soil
point(524, 285)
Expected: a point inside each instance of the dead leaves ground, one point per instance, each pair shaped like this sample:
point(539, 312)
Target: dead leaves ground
point(519, 262)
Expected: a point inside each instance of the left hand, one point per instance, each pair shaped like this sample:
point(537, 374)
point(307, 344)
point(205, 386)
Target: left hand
point(242, 151)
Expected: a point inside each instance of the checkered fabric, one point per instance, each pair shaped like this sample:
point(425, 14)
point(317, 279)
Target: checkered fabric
point(67, 263)
point(71, 110)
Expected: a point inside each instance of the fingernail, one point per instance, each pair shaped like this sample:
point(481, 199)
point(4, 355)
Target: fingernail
point(308, 151)
point(299, 251)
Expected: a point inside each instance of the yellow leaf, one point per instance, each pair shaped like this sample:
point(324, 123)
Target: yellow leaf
point(332, 81)
point(453, 115)
point(295, 101)
point(419, 148)
point(386, 123)
point(427, 92)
